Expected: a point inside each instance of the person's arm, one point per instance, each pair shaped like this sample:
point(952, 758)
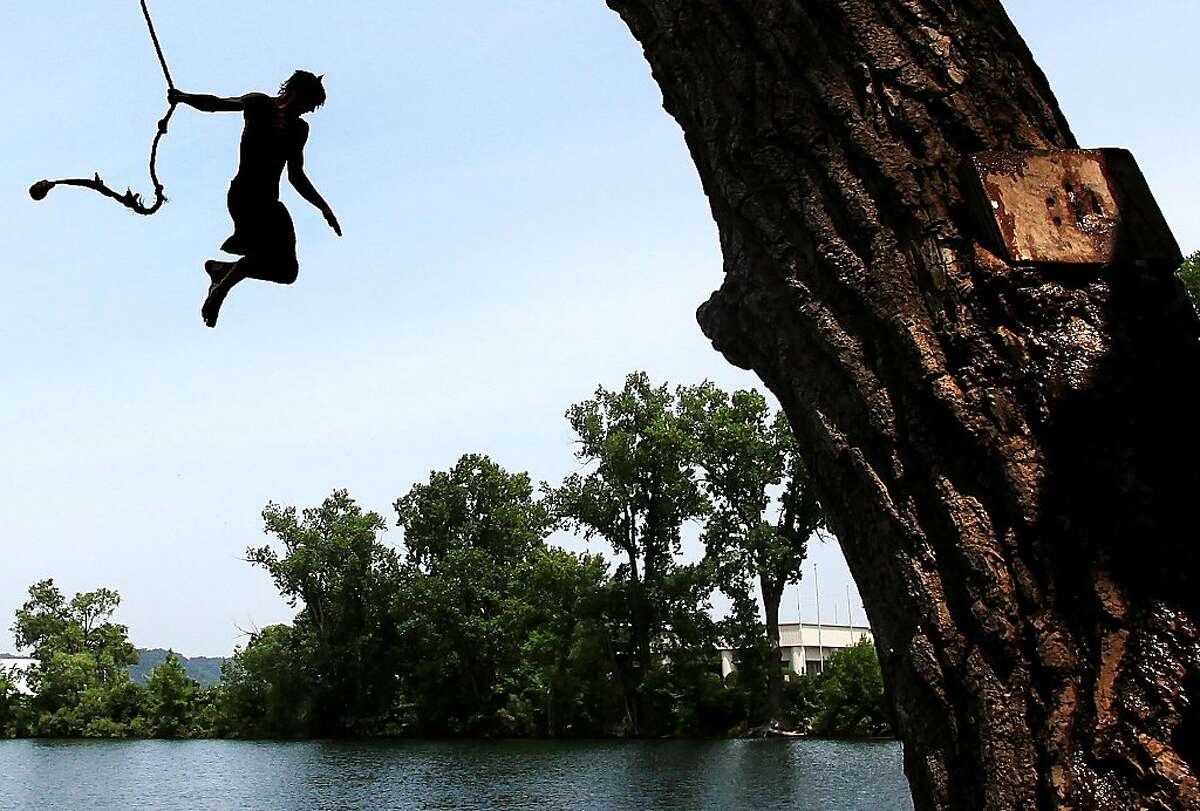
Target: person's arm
point(210, 104)
point(304, 186)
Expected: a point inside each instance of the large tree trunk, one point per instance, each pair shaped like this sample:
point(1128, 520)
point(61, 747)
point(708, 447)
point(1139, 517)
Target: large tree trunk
point(1006, 453)
point(772, 595)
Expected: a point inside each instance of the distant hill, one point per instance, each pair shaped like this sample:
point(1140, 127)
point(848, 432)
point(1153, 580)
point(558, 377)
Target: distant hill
point(204, 669)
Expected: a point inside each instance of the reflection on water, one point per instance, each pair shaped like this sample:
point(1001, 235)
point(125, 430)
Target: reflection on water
point(460, 775)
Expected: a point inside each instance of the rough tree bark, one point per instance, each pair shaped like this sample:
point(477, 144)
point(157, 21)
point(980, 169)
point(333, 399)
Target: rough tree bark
point(1006, 453)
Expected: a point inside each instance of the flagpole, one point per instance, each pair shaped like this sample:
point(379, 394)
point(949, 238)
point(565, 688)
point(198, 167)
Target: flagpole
point(849, 614)
point(820, 642)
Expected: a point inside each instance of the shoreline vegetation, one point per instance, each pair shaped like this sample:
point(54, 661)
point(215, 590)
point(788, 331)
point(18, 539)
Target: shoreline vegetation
point(475, 626)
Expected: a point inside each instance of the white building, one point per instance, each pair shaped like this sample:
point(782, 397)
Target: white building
point(806, 647)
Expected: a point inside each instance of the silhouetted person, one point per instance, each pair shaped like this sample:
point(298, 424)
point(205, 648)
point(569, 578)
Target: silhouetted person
point(274, 136)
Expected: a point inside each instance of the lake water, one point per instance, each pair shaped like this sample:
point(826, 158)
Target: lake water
point(194, 775)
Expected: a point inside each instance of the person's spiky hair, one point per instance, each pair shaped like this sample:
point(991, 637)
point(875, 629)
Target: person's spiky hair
point(305, 85)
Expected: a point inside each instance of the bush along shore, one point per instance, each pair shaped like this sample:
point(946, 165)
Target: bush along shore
point(473, 625)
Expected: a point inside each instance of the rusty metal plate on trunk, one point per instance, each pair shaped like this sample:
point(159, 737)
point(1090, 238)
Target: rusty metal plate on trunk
point(1071, 206)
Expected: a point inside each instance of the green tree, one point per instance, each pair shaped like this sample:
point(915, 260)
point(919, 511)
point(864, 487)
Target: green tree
point(682, 688)
point(742, 629)
point(802, 701)
point(124, 709)
point(745, 454)
point(850, 696)
point(265, 689)
point(82, 658)
point(468, 533)
point(48, 623)
point(13, 705)
point(563, 683)
point(333, 563)
point(170, 700)
point(637, 495)
point(477, 504)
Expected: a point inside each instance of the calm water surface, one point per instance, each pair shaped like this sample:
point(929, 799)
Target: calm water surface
point(196, 775)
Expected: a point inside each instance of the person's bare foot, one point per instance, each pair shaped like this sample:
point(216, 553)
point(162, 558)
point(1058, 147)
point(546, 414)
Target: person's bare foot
point(212, 306)
point(224, 276)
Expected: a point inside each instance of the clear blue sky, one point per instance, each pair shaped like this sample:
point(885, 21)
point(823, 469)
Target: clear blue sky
point(522, 222)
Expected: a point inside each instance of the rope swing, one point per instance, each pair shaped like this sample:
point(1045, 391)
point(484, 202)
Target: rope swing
point(129, 199)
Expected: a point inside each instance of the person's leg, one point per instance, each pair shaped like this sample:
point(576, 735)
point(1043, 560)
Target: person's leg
point(280, 270)
point(276, 269)
point(273, 259)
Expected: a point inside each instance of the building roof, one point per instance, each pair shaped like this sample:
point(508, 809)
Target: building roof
point(812, 635)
